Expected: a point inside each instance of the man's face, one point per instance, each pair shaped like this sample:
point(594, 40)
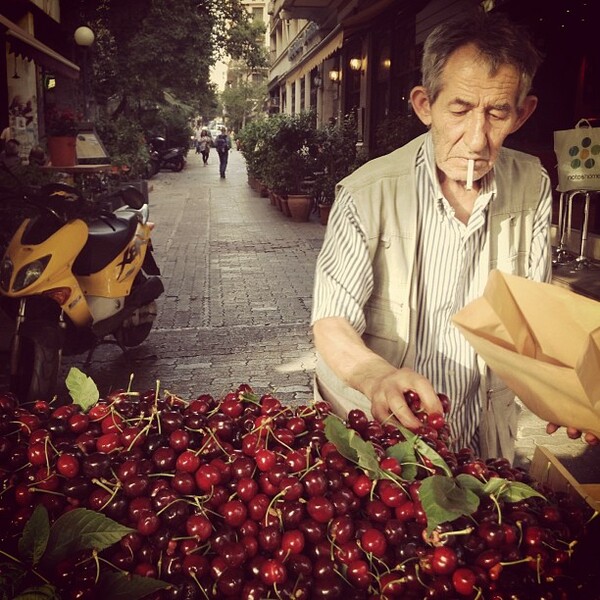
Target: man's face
point(473, 114)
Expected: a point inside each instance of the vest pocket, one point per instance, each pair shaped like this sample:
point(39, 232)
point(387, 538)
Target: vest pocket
point(382, 331)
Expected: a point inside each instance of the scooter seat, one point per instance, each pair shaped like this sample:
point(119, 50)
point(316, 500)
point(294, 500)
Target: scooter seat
point(107, 237)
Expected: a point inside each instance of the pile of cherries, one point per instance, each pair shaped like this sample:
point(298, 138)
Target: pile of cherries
point(246, 498)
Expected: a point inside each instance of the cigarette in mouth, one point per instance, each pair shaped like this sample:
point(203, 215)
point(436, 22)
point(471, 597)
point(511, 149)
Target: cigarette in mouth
point(470, 168)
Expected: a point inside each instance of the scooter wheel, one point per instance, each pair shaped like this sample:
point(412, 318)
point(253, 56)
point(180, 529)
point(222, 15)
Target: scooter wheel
point(36, 370)
point(177, 164)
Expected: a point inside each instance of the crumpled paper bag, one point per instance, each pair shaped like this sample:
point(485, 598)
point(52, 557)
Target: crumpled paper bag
point(543, 341)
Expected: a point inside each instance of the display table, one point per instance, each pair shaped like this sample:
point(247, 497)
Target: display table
point(90, 179)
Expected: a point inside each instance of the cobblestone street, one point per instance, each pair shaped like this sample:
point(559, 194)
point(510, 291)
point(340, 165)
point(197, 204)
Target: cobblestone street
point(238, 285)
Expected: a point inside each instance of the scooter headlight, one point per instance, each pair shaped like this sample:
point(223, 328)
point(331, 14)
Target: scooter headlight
point(6, 269)
point(30, 273)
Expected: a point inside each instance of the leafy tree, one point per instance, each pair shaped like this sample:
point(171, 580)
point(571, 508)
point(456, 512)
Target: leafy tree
point(243, 100)
point(146, 47)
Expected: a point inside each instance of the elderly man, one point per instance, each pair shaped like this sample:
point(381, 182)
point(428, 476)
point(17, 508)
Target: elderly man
point(414, 234)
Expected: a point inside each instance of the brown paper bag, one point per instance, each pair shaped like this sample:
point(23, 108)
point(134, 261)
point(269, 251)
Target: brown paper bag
point(543, 341)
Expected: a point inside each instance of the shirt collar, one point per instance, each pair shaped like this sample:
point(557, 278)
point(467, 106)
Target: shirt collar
point(488, 188)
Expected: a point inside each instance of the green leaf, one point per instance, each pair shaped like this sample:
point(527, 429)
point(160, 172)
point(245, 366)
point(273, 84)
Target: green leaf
point(513, 491)
point(82, 389)
point(424, 449)
point(350, 445)
point(34, 540)
point(339, 435)
point(120, 586)
point(44, 592)
point(404, 453)
point(81, 529)
point(444, 500)
point(468, 482)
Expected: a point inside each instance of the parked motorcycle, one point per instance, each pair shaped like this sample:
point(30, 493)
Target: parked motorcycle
point(73, 276)
point(162, 157)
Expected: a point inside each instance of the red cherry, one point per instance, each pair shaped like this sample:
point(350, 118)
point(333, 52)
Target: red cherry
point(188, 462)
point(292, 541)
point(273, 572)
point(207, 476)
point(265, 459)
point(234, 512)
point(67, 465)
point(320, 509)
point(373, 541)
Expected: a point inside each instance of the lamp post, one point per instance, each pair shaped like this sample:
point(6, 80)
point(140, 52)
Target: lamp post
point(84, 37)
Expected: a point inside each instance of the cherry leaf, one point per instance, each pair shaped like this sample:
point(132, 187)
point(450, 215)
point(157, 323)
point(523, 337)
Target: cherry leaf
point(43, 592)
point(509, 491)
point(469, 482)
point(34, 541)
point(404, 453)
point(122, 586)
point(444, 500)
point(351, 446)
point(424, 449)
point(81, 529)
point(82, 389)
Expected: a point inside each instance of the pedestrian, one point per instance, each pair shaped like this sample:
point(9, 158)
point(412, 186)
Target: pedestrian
point(223, 146)
point(204, 144)
point(413, 235)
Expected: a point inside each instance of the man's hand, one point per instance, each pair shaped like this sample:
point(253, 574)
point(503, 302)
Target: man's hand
point(383, 384)
point(574, 434)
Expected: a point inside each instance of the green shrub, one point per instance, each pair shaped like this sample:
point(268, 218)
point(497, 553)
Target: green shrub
point(125, 144)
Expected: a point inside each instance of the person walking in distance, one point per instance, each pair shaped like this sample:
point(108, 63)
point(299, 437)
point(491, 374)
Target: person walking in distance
point(204, 144)
point(223, 146)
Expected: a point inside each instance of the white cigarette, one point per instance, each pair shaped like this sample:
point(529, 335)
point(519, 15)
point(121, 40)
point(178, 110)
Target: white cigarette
point(470, 167)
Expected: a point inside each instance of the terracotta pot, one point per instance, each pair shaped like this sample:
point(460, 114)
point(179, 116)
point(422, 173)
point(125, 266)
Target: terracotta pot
point(300, 206)
point(324, 210)
point(62, 151)
point(272, 197)
point(285, 209)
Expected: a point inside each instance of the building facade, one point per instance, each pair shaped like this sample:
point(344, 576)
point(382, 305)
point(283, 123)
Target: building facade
point(36, 66)
point(362, 57)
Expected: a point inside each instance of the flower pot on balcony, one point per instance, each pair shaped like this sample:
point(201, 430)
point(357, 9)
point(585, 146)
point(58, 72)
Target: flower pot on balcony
point(300, 206)
point(62, 151)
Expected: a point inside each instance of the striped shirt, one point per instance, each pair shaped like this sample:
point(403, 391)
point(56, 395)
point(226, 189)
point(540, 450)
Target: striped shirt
point(449, 276)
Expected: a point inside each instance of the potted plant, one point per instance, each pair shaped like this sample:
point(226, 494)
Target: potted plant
point(296, 143)
point(61, 131)
point(337, 158)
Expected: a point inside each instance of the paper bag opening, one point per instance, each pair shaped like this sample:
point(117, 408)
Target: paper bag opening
point(543, 342)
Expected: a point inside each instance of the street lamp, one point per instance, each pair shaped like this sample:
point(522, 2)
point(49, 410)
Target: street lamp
point(84, 37)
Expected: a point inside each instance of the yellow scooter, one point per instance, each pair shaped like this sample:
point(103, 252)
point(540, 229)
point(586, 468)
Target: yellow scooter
point(75, 275)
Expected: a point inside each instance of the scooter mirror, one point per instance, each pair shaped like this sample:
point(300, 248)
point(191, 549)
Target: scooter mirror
point(133, 197)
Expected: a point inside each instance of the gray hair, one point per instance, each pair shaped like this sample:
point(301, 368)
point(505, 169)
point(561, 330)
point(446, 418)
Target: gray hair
point(499, 41)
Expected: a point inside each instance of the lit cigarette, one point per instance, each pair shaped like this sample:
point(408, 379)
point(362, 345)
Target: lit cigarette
point(470, 167)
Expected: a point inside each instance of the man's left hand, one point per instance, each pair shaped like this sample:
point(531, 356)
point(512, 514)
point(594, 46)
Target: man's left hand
point(574, 434)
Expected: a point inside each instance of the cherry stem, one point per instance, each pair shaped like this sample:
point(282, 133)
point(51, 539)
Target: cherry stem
point(31, 570)
point(498, 508)
point(112, 491)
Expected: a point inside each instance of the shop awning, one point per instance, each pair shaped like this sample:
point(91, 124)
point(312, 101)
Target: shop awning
point(25, 45)
point(316, 56)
